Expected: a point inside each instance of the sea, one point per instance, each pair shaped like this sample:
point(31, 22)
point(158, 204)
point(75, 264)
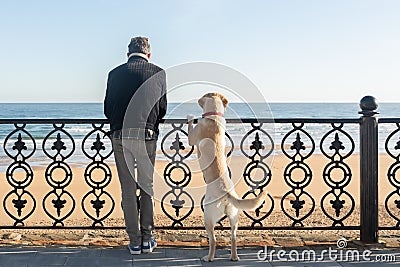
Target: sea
point(179, 111)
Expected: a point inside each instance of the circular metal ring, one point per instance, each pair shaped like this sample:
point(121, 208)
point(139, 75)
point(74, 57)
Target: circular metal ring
point(168, 173)
point(89, 172)
point(392, 174)
point(253, 166)
point(58, 165)
point(303, 167)
point(337, 165)
point(24, 182)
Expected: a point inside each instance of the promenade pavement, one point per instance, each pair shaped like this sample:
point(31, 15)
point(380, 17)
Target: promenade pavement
point(179, 256)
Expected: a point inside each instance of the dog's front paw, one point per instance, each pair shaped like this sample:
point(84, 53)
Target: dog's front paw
point(190, 118)
point(234, 258)
point(207, 259)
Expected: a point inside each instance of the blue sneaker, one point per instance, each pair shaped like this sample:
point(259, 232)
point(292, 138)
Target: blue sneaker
point(148, 247)
point(135, 250)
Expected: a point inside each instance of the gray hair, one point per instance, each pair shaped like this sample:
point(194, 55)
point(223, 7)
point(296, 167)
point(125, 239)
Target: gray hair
point(139, 45)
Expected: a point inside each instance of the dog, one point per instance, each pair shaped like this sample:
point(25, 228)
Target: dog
point(221, 198)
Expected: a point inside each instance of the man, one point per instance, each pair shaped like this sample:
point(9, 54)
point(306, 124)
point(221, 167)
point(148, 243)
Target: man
point(135, 103)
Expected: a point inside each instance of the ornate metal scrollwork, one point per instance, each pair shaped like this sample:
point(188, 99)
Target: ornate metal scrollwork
point(337, 198)
point(181, 202)
point(297, 196)
point(94, 202)
point(59, 198)
point(392, 201)
point(257, 163)
point(19, 199)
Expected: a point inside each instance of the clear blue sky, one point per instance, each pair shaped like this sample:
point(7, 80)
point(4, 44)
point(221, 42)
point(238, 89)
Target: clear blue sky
point(294, 51)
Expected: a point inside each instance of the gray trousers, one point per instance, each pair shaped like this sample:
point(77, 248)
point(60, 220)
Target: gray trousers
point(126, 153)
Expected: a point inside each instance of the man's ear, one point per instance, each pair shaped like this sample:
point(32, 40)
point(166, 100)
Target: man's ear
point(201, 101)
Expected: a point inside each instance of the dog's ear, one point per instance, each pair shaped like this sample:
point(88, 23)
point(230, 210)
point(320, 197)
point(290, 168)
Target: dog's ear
point(201, 101)
point(224, 100)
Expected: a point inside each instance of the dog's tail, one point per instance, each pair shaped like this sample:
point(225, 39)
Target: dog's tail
point(247, 204)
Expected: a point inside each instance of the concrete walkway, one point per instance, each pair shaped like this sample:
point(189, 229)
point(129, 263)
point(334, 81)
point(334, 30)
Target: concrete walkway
point(176, 256)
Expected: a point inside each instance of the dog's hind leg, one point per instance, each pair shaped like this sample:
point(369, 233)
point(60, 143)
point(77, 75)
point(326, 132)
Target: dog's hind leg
point(234, 221)
point(210, 223)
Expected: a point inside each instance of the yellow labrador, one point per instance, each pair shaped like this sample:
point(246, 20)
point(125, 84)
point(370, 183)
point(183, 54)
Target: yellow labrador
point(221, 198)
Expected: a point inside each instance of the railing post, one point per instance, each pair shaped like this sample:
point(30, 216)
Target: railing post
point(369, 170)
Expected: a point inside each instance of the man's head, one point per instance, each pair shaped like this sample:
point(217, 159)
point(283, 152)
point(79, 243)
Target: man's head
point(139, 45)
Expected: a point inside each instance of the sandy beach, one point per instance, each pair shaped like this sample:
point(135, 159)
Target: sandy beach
point(196, 188)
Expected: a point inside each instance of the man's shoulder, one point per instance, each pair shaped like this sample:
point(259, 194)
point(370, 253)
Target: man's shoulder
point(136, 66)
point(117, 69)
point(150, 66)
point(147, 69)
point(155, 66)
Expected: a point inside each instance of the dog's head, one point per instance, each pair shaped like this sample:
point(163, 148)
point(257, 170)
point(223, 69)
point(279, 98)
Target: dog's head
point(213, 102)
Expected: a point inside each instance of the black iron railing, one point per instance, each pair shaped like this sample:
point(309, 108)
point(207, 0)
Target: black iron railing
point(296, 208)
point(392, 148)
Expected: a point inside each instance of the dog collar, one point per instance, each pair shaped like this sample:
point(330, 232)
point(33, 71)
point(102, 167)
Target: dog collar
point(212, 113)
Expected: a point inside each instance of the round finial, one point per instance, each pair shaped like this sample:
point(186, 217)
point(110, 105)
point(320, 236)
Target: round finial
point(368, 103)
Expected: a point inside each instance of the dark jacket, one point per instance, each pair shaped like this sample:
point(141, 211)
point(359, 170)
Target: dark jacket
point(137, 89)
